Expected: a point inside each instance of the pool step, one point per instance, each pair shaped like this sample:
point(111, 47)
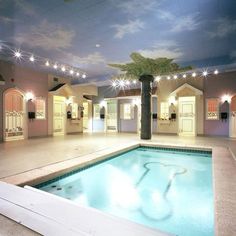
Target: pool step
point(48, 214)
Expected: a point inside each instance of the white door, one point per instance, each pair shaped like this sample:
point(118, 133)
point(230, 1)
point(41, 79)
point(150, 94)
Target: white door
point(14, 116)
point(85, 117)
point(233, 117)
point(187, 117)
point(111, 115)
point(59, 115)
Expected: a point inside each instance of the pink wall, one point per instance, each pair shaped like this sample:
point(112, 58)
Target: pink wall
point(216, 87)
point(25, 80)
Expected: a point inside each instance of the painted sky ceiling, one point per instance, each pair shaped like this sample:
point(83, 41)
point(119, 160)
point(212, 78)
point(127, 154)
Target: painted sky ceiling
point(90, 34)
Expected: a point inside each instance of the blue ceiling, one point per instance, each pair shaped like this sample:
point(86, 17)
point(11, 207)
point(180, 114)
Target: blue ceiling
point(90, 34)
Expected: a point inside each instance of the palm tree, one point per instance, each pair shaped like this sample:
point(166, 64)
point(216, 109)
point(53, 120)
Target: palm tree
point(144, 69)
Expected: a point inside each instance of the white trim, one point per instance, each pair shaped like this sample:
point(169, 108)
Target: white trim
point(186, 85)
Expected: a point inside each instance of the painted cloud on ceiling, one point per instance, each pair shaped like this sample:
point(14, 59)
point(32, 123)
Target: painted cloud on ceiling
point(90, 34)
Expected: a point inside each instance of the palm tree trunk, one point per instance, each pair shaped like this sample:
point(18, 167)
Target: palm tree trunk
point(146, 94)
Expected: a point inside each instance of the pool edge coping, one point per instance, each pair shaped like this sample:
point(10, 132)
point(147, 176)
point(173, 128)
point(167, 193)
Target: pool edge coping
point(223, 213)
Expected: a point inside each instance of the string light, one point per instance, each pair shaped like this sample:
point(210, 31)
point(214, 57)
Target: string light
point(168, 77)
point(158, 78)
point(31, 58)
point(216, 72)
point(40, 61)
point(17, 54)
point(71, 72)
point(84, 76)
point(175, 76)
point(114, 84)
point(127, 82)
point(194, 74)
point(134, 81)
point(184, 76)
point(205, 73)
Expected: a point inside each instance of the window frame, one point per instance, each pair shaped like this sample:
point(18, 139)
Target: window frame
point(167, 114)
point(218, 109)
point(45, 109)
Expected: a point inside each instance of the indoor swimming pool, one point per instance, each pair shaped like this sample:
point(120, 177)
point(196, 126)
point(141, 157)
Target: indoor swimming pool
point(163, 188)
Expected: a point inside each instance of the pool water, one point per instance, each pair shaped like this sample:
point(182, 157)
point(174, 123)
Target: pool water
point(169, 190)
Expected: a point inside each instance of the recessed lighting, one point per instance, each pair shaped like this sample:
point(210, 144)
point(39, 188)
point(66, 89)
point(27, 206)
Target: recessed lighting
point(97, 45)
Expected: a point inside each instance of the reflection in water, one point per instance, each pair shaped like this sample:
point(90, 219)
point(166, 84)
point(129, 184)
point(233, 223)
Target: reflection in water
point(163, 209)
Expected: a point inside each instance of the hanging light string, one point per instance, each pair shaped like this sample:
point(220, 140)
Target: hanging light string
point(124, 81)
point(20, 55)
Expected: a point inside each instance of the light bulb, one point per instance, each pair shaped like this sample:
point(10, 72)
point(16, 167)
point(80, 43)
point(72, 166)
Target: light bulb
point(63, 69)
point(216, 72)
point(47, 63)
point(31, 58)
point(55, 66)
point(194, 74)
point(84, 76)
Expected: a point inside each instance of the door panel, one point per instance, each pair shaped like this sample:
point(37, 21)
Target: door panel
point(187, 116)
point(233, 117)
point(59, 118)
point(85, 116)
point(111, 116)
point(14, 116)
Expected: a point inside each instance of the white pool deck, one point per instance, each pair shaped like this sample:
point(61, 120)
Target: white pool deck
point(83, 150)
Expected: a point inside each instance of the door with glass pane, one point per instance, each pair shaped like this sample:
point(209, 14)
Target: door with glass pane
point(187, 116)
point(14, 115)
point(59, 115)
point(111, 115)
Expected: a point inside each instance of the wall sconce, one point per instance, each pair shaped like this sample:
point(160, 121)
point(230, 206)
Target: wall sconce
point(29, 96)
point(226, 98)
point(172, 100)
point(102, 104)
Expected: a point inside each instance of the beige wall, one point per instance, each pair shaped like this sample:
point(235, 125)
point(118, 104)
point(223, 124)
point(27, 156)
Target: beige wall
point(76, 92)
point(165, 88)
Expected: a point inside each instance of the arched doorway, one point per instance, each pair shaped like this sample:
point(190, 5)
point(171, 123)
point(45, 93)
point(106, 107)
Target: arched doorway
point(232, 126)
point(14, 115)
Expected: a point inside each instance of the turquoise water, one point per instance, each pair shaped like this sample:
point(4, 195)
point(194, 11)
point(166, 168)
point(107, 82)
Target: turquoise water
point(163, 189)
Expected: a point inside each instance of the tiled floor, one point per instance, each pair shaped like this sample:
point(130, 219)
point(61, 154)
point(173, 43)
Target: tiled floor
point(22, 156)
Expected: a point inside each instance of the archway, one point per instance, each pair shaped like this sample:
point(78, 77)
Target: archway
point(14, 115)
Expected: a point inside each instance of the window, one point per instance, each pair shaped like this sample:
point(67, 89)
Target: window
point(74, 109)
point(126, 111)
point(40, 108)
point(96, 111)
point(164, 111)
point(212, 109)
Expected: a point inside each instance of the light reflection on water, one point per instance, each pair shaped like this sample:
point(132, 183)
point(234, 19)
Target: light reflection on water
point(161, 189)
